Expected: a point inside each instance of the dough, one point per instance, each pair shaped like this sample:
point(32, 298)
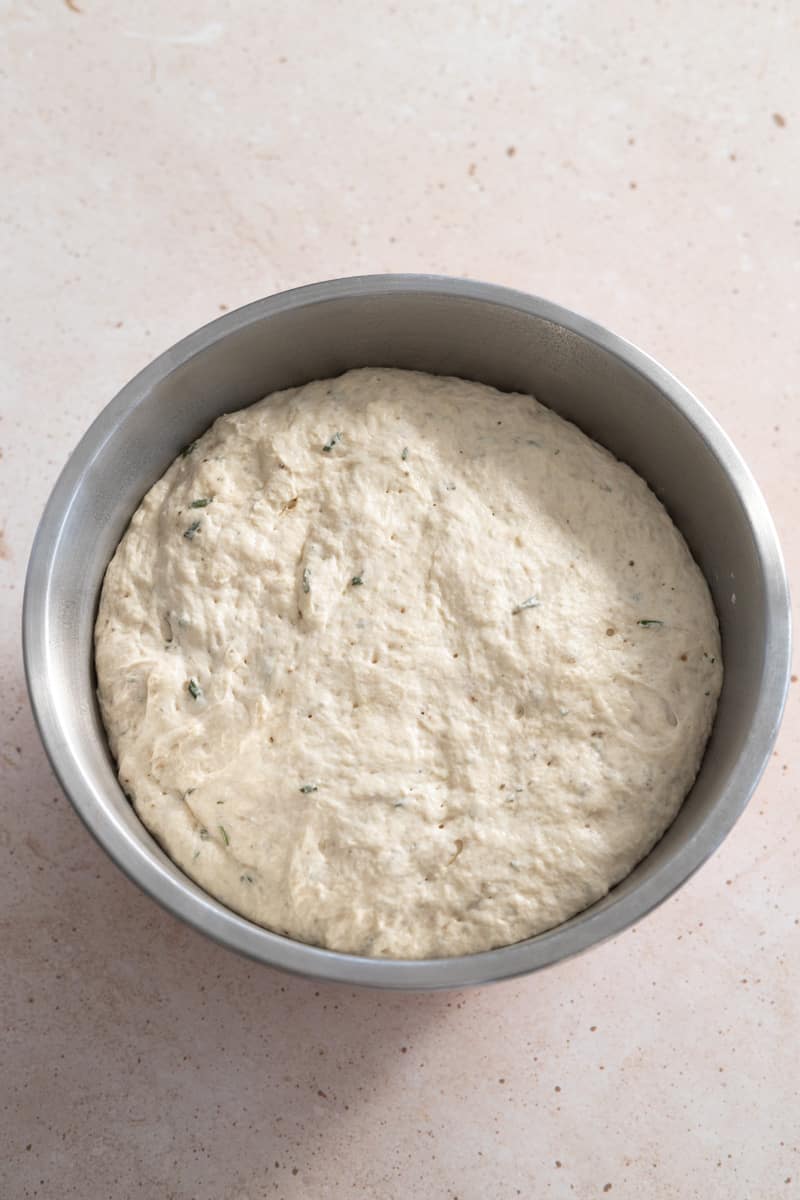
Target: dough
point(405, 666)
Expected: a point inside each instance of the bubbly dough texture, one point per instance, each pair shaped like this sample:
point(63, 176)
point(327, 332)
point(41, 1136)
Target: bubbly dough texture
point(404, 666)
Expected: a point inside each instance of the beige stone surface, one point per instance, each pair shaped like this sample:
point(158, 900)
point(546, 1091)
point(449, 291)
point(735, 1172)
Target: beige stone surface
point(161, 162)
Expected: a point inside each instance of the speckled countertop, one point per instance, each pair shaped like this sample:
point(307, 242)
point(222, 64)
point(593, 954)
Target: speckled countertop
point(163, 162)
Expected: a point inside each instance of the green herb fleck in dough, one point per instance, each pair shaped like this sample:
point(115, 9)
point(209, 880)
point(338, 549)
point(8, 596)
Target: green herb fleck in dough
point(331, 442)
point(192, 530)
point(356, 581)
point(404, 453)
point(188, 449)
point(650, 623)
point(203, 832)
point(224, 833)
point(194, 689)
point(531, 602)
point(203, 502)
point(246, 878)
point(306, 580)
point(308, 787)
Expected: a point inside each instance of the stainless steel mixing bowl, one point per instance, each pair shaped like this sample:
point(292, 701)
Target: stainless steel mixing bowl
point(516, 342)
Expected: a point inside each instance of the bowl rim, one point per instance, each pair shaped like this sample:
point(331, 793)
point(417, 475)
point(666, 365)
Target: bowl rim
point(186, 900)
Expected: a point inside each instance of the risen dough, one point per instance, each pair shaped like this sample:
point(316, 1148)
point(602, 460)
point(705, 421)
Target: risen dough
point(405, 666)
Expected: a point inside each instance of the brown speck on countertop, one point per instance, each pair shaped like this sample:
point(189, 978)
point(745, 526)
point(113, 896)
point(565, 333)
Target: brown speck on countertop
point(633, 185)
point(471, 169)
point(794, 679)
point(321, 1094)
point(607, 1188)
point(556, 1088)
point(558, 1164)
point(72, 6)
point(511, 151)
point(5, 549)
point(779, 120)
point(592, 1029)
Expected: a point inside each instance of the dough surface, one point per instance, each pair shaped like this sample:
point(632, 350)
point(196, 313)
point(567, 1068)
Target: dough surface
point(404, 666)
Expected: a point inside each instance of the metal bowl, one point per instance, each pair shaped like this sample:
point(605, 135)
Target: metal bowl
point(615, 393)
